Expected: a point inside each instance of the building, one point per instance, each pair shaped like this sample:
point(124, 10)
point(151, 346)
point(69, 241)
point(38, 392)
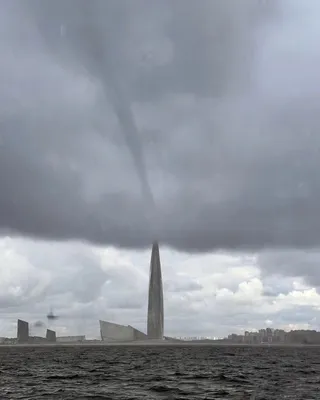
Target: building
point(37, 340)
point(51, 336)
point(155, 301)
point(71, 339)
point(22, 331)
point(9, 341)
point(111, 332)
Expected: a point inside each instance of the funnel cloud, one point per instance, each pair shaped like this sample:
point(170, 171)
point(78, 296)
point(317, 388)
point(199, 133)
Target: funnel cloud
point(206, 110)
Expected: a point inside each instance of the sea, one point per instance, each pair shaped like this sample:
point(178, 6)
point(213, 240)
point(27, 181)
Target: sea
point(159, 372)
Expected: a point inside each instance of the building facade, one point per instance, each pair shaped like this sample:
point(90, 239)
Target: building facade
point(155, 301)
point(111, 332)
point(51, 336)
point(71, 339)
point(22, 331)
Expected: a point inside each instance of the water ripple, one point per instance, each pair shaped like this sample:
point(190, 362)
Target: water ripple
point(130, 373)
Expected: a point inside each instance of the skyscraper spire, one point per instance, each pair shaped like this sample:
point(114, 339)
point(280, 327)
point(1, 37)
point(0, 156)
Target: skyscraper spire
point(155, 303)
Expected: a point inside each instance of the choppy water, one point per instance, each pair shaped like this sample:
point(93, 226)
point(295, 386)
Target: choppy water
point(197, 372)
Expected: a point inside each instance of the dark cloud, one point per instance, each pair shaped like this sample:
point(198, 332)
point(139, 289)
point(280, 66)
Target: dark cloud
point(291, 263)
point(207, 107)
point(275, 283)
point(38, 324)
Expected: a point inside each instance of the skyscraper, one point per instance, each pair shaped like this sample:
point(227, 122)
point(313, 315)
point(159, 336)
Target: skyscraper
point(22, 331)
point(155, 302)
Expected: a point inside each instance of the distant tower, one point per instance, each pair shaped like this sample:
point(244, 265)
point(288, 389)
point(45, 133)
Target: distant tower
point(155, 304)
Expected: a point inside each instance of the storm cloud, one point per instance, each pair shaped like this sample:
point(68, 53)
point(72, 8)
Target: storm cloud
point(211, 109)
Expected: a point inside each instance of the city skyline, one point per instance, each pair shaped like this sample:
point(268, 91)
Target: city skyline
point(113, 332)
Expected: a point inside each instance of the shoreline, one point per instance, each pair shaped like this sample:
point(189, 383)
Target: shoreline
point(159, 344)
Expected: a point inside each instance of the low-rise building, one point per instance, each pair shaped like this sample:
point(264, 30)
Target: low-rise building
point(71, 339)
point(112, 332)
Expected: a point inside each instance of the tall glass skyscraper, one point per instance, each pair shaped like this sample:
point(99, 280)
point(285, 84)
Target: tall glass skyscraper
point(155, 303)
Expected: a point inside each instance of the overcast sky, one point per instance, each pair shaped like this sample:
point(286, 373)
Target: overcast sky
point(192, 122)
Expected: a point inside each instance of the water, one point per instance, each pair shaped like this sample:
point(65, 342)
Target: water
point(159, 372)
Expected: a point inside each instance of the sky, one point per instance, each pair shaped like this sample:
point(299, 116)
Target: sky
point(126, 122)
